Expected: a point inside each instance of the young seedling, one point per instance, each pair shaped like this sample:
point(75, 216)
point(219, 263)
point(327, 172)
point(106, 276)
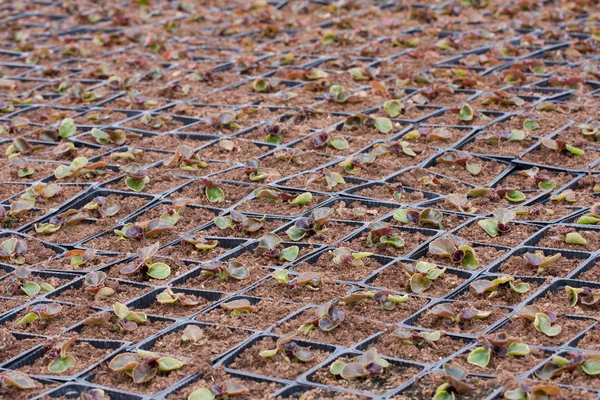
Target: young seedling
point(213, 192)
point(120, 319)
point(239, 222)
point(288, 155)
point(144, 229)
point(15, 379)
point(118, 137)
point(306, 280)
point(80, 166)
point(310, 226)
point(106, 207)
point(430, 93)
point(591, 218)
point(538, 392)
point(186, 159)
point(500, 224)
point(447, 311)
point(502, 98)
point(331, 179)
point(422, 275)
point(591, 129)
point(272, 248)
point(328, 139)
point(339, 94)
point(384, 299)
point(498, 138)
point(60, 359)
point(142, 366)
point(356, 164)
point(22, 280)
point(462, 158)
point(428, 217)
point(455, 383)
point(354, 122)
point(40, 192)
point(23, 167)
point(95, 283)
point(172, 213)
point(560, 146)
point(254, 172)
point(42, 312)
point(21, 147)
point(80, 95)
point(568, 235)
point(279, 196)
point(265, 85)
point(429, 134)
point(224, 270)
point(137, 177)
point(544, 181)
point(498, 346)
point(381, 233)
point(93, 394)
point(289, 350)
point(143, 265)
point(367, 364)
point(328, 317)
point(68, 218)
point(540, 261)
point(585, 296)
point(461, 202)
point(543, 320)
point(456, 249)
point(168, 296)
point(493, 287)
point(156, 121)
point(227, 389)
point(238, 307)
point(416, 338)
point(354, 213)
point(587, 363)
point(200, 242)
point(301, 115)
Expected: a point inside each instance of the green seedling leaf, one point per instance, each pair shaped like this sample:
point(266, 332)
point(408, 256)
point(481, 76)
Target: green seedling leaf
point(60, 365)
point(67, 128)
point(575, 238)
point(159, 271)
point(490, 226)
point(289, 254)
point(302, 199)
point(465, 113)
point(215, 194)
point(480, 357)
point(384, 125)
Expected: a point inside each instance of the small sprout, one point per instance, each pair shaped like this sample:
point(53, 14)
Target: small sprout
point(498, 138)
point(81, 257)
point(167, 296)
point(329, 317)
point(323, 139)
point(121, 318)
point(339, 94)
point(502, 98)
point(587, 363)
point(544, 321)
point(381, 233)
point(461, 203)
point(568, 196)
point(399, 148)
point(544, 181)
point(156, 121)
point(106, 207)
point(416, 338)
point(307, 280)
point(498, 346)
point(228, 389)
point(353, 122)
point(383, 298)
point(540, 261)
point(40, 192)
point(561, 146)
point(68, 218)
point(21, 280)
point(200, 242)
point(447, 310)
point(455, 382)
point(367, 364)
point(422, 275)
point(309, 226)
point(262, 85)
point(239, 222)
point(67, 128)
point(568, 235)
point(585, 296)
point(117, 137)
point(224, 120)
point(143, 365)
point(272, 248)
point(331, 179)
point(143, 265)
point(591, 129)
point(289, 155)
point(213, 192)
point(95, 283)
point(466, 113)
point(346, 256)
point(429, 217)
point(13, 250)
point(457, 250)
point(463, 158)
point(357, 163)
point(591, 218)
point(137, 177)
point(431, 134)
point(186, 159)
point(23, 168)
point(15, 379)
point(274, 131)
point(93, 394)
point(172, 213)
point(483, 286)
point(224, 270)
point(289, 350)
point(20, 147)
point(60, 360)
point(396, 108)
point(279, 196)
point(40, 311)
point(500, 224)
point(80, 167)
point(144, 229)
point(238, 307)
point(538, 392)
point(254, 172)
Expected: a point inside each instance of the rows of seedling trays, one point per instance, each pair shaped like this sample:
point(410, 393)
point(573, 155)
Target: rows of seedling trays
point(299, 200)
